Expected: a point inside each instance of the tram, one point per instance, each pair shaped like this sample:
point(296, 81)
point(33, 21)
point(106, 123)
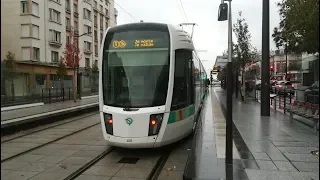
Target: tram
point(152, 85)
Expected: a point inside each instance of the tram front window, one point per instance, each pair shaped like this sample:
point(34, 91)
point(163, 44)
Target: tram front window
point(135, 78)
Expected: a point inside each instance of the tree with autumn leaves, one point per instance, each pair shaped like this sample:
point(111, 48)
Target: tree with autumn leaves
point(72, 57)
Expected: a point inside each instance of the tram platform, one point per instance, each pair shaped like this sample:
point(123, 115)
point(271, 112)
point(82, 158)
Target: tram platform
point(30, 114)
point(268, 147)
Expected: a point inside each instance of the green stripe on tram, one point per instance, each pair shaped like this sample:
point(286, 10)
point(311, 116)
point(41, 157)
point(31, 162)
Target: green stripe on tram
point(181, 114)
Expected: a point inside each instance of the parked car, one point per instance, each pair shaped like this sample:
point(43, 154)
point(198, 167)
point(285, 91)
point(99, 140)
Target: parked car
point(282, 87)
point(312, 93)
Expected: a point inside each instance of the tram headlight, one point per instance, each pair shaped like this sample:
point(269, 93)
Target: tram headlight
point(155, 124)
point(108, 121)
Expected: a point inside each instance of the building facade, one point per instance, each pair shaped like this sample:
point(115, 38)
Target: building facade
point(36, 31)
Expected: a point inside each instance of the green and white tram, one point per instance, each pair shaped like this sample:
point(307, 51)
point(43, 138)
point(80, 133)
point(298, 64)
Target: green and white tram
point(152, 84)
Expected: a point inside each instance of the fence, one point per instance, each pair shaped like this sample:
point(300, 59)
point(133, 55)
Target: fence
point(47, 95)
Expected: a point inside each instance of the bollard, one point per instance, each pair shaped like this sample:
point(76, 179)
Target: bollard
point(62, 94)
point(69, 93)
point(284, 102)
point(42, 95)
point(275, 104)
point(49, 95)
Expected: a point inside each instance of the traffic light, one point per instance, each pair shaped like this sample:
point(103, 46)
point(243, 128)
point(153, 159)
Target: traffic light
point(271, 68)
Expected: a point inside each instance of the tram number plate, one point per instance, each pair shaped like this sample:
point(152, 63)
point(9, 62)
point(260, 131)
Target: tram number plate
point(129, 140)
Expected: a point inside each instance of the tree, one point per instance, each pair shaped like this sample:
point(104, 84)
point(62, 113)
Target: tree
point(10, 70)
point(298, 29)
point(62, 71)
point(243, 50)
point(72, 56)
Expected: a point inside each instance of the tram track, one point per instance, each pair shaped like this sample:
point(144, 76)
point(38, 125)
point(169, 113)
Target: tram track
point(46, 127)
point(49, 142)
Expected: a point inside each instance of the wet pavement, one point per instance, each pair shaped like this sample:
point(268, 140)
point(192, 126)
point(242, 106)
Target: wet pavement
point(272, 147)
point(19, 113)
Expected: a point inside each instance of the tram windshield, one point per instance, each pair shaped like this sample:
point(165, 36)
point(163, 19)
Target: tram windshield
point(135, 77)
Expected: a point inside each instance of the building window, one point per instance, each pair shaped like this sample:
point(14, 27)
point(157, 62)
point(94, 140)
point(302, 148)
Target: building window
point(54, 15)
point(25, 30)
point(68, 23)
point(68, 5)
point(76, 27)
point(107, 12)
point(95, 4)
point(95, 20)
point(35, 8)
point(57, 1)
point(35, 31)
point(87, 46)
point(101, 8)
point(55, 36)
point(87, 29)
point(107, 2)
point(24, 7)
point(36, 53)
point(96, 62)
point(26, 53)
point(75, 8)
point(96, 49)
point(54, 56)
point(101, 37)
point(68, 40)
point(107, 25)
point(87, 62)
point(95, 35)
point(86, 14)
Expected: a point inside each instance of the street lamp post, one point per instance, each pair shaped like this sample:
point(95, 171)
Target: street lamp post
point(78, 79)
point(223, 11)
point(265, 82)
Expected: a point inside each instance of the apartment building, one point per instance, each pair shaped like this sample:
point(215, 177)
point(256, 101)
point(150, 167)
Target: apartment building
point(36, 31)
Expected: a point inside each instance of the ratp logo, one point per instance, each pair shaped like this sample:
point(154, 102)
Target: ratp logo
point(129, 121)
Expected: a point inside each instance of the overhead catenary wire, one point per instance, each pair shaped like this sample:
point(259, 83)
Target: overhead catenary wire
point(124, 10)
point(183, 17)
point(183, 11)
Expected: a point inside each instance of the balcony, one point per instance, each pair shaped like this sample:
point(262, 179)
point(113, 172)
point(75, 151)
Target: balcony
point(55, 43)
point(68, 10)
point(87, 51)
point(107, 15)
point(96, 54)
point(101, 12)
point(76, 31)
point(68, 28)
point(95, 39)
point(95, 24)
point(95, 8)
point(76, 14)
point(88, 1)
point(115, 12)
point(101, 28)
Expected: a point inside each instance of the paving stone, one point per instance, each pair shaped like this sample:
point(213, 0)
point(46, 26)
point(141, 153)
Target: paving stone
point(76, 160)
point(75, 147)
point(306, 166)
point(122, 178)
point(266, 165)
point(305, 175)
point(178, 166)
point(28, 158)
point(18, 145)
point(260, 156)
point(63, 168)
point(52, 159)
point(5, 172)
point(92, 177)
point(84, 153)
point(65, 152)
point(21, 175)
point(291, 144)
point(96, 148)
point(133, 172)
point(297, 150)
point(267, 175)
point(302, 157)
point(284, 166)
point(12, 165)
point(50, 176)
point(171, 175)
point(37, 167)
point(102, 170)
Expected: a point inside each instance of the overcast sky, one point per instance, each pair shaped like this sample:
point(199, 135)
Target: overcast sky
point(210, 34)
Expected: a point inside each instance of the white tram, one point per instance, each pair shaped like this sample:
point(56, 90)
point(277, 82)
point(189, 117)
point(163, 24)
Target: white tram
point(152, 85)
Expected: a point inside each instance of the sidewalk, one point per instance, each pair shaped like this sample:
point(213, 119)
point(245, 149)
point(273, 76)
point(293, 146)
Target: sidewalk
point(274, 147)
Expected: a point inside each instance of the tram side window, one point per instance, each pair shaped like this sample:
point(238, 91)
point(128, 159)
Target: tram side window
point(181, 90)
